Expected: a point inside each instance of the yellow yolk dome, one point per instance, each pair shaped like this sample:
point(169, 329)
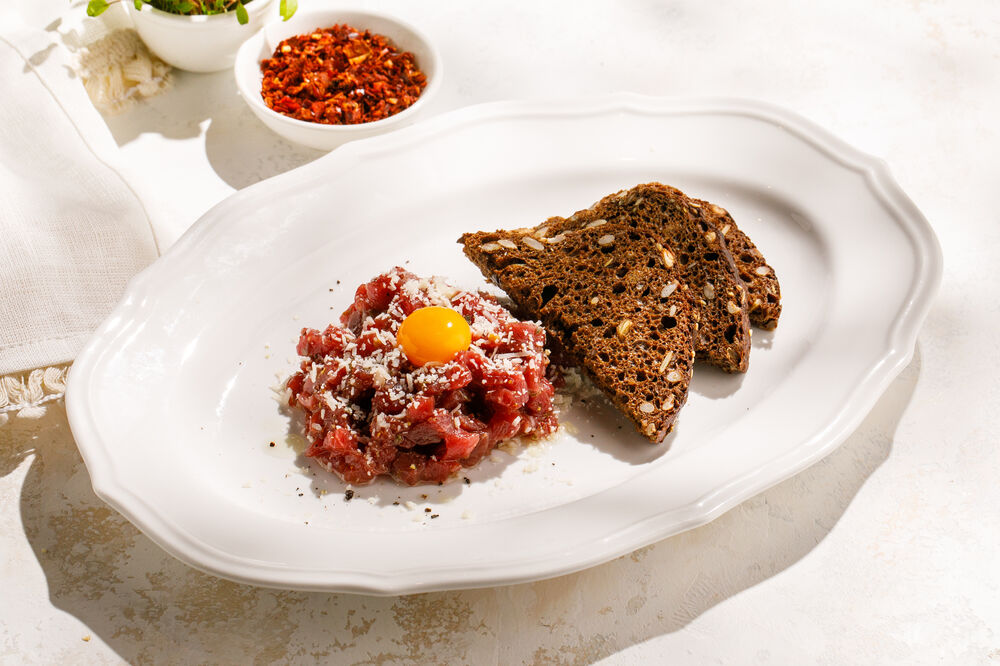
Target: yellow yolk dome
point(433, 335)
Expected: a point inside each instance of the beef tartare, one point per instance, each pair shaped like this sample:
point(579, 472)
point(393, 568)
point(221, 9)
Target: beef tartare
point(375, 405)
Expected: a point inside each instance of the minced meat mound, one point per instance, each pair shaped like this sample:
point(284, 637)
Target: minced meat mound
point(370, 412)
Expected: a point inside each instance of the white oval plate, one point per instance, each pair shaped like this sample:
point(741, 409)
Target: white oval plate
point(171, 401)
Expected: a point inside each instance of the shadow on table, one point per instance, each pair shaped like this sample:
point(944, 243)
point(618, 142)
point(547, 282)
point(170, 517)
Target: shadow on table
point(240, 149)
point(149, 607)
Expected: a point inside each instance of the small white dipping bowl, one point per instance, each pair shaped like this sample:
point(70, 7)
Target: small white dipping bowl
point(319, 135)
point(197, 43)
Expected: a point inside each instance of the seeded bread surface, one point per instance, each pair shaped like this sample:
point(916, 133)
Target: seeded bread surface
point(609, 302)
point(763, 290)
point(665, 214)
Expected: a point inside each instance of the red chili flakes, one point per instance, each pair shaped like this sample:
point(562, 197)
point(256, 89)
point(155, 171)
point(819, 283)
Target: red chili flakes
point(340, 76)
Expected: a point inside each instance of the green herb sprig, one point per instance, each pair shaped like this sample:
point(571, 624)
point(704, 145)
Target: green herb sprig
point(286, 8)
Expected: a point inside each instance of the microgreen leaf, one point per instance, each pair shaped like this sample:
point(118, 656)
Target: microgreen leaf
point(96, 7)
point(192, 7)
point(287, 8)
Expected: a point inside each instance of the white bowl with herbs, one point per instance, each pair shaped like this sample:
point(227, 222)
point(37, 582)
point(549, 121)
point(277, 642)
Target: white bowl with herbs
point(197, 35)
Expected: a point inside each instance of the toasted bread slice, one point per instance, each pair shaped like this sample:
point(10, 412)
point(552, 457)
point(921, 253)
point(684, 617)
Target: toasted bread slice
point(609, 302)
point(699, 251)
point(763, 290)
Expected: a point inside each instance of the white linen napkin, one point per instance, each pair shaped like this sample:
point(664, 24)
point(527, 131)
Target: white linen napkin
point(72, 230)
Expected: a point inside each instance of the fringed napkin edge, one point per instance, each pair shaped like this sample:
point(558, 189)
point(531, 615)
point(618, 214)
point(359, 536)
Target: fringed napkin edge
point(27, 394)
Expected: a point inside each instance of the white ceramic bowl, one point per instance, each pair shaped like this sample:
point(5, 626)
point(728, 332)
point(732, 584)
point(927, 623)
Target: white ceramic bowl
point(197, 43)
point(318, 135)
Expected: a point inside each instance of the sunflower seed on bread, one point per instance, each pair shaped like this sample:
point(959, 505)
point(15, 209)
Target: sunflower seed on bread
point(608, 304)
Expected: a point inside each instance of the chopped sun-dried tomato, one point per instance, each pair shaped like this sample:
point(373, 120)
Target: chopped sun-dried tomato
point(340, 76)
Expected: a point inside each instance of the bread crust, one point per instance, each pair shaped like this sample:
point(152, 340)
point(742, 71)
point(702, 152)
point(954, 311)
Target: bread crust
point(763, 289)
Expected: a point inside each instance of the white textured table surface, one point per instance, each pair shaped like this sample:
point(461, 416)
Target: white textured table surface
point(885, 552)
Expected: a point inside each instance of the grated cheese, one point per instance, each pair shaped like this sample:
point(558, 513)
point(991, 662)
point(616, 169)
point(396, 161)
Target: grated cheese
point(369, 357)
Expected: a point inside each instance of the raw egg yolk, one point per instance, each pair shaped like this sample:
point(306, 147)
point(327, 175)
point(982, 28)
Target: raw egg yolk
point(433, 335)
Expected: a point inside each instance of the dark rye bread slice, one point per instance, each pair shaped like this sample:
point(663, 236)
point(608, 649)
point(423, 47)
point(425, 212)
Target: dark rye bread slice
point(610, 305)
point(667, 215)
point(763, 290)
